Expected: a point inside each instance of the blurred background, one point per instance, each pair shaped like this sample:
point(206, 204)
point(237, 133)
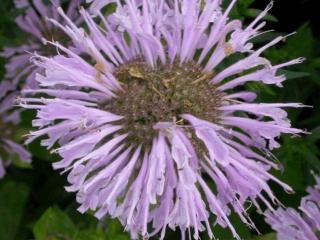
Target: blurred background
point(34, 204)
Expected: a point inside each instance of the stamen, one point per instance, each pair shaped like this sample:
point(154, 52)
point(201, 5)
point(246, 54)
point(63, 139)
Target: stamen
point(160, 94)
point(204, 78)
point(228, 49)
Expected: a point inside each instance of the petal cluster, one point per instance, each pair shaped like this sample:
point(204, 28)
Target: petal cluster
point(293, 225)
point(172, 184)
point(9, 117)
point(32, 22)
point(20, 72)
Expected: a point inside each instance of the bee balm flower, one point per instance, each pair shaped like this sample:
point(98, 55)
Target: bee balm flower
point(9, 117)
point(20, 73)
point(289, 224)
point(33, 23)
point(147, 117)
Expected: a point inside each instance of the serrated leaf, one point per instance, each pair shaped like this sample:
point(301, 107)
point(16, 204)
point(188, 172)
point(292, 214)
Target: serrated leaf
point(54, 224)
point(13, 199)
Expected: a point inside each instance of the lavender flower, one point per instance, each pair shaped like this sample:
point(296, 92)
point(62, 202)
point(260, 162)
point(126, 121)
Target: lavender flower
point(33, 22)
point(20, 73)
point(291, 225)
point(148, 116)
point(9, 117)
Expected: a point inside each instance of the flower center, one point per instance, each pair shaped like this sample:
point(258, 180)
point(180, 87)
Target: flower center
point(162, 94)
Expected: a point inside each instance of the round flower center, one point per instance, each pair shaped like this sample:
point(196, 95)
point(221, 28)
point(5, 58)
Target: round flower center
point(162, 94)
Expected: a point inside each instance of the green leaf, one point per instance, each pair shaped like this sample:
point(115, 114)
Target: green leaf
point(293, 75)
point(245, 3)
point(315, 134)
point(266, 37)
point(54, 224)
point(91, 234)
point(257, 86)
point(13, 199)
point(299, 45)
point(115, 230)
point(297, 155)
point(225, 234)
point(270, 236)
point(315, 63)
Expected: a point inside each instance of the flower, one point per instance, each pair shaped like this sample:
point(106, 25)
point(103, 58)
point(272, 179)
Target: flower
point(291, 225)
point(9, 117)
point(153, 128)
point(20, 72)
point(33, 22)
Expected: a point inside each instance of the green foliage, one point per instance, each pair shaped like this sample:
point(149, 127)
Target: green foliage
point(90, 234)
point(54, 224)
point(13, 200)
point(293, 75)
point(252, 13)
point(243, 10)
point(300, 44)
point(224, 234)
point(270, 236)
point(115, 231)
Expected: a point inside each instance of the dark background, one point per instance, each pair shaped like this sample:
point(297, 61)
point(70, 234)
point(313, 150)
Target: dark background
point(293, 13)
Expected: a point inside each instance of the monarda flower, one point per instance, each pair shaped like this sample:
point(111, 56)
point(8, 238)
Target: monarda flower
point(9, 118)
point(152, 126)
point(291, 225)
point(20, 73)
point(33, 23)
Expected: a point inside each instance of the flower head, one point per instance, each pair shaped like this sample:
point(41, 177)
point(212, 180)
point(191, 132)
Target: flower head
point(149, 115)
point(9, 117)
point(20, 72)
point(19, 69)
point(290, 224)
